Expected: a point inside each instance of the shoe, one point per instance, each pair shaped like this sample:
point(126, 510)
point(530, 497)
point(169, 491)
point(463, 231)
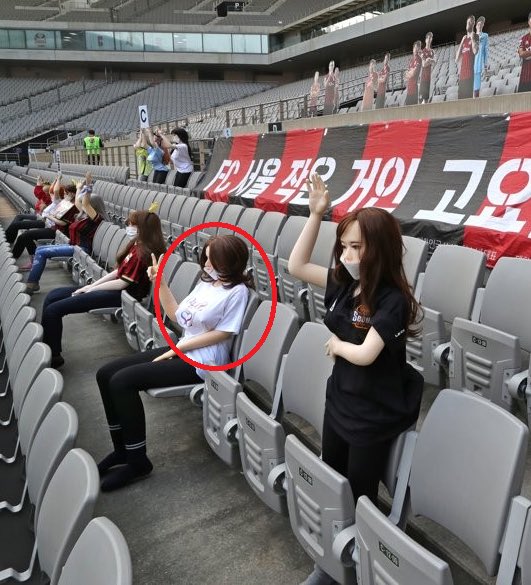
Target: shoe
point(32, 287)
point(57, 361)
point(125, 475)
point(112, 460)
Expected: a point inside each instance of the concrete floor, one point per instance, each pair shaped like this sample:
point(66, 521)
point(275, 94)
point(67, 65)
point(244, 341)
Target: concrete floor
point(194, 520)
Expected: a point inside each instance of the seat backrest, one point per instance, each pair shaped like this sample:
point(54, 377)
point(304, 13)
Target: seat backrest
point(174, 210)
point(54, 438)
point(66, 509)
point(184, 280)
point(105, 242)
point(232, 215)
point(15, 326)
point(99, 235)
point(468, 464)
point(524, 559)
point(414, 258)
point(250, 220)
point(506, 299)
point(186, 211)
point(35, 359)
point(269, 229)
point(108, 257)
point(199, 214)
point(289, 235)
point(452, 278)
point(306, 373)
point(263, 366)
point(44, 392)
point(31, 333)
point(100, 555)
point(387, 555)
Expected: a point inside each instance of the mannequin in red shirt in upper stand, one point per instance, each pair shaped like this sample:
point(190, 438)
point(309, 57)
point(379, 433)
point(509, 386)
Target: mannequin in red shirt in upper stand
point(465, 54)
point(524, 52)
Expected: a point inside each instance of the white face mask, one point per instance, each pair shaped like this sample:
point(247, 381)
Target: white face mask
point(353, 268)
point(131, 231)
point(212, 273)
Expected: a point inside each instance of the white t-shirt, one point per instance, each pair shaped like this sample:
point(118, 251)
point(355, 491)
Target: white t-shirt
point(50, 211)
point(181, 159)
point(209, 308)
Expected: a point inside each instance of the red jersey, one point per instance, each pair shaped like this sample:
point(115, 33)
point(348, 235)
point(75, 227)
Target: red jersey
point(412, 83)
point(43, 198)
point(82, 232)
point(426, 71)
point(525, 44)
point(467, 59)
point(133, 270)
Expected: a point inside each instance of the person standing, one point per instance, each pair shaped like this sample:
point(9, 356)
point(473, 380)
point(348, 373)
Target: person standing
point(465, 55)
point(427, 58)
point(158, 155)
point(373, 394)
point(143, 167)
point(482, 55)
point(412, 76)
point(330, 90)
point(93, 145)
point(524, 52)
point(181, 155)
point(383, 76)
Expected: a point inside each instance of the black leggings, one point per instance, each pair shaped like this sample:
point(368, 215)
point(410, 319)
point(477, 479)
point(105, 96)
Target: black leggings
point(364, 467)
point(121, 380)
point(22, 221)
point(181, 179)
point(26, 240)
point(159, 177)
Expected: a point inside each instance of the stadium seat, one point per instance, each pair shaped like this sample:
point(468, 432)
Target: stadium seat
point(100, 555)
point(258, 375)
point(464, 268)
point(300, 390)
point(487, 354)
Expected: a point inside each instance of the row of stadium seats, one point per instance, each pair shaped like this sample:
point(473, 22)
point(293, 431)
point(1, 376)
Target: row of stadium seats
point(51, 533)
point(223, 400)
point(271, 462)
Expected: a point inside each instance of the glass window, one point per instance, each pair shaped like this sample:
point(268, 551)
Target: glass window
point(70, 40)
point(100, 41)
point(4, 39)
point(17, 39)
point(40, 39)
point(246, 44)
point(158, 42)
point(217, 43)
point(265, 44)
point(188, 42)
point(129, 41)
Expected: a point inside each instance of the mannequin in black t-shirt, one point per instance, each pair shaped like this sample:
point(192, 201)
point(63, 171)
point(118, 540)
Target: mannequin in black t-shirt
point(373, 394)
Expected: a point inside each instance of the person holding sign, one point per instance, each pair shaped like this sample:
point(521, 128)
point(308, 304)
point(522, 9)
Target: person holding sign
point(146, 238)
point(181, 154)
point(143, 167)
point(373, 394)
point(158, 155)
point(209, 317)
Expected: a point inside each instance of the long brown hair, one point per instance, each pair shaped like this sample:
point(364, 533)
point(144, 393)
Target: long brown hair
point(229, 256)
point(149, 239)
point(381, 262)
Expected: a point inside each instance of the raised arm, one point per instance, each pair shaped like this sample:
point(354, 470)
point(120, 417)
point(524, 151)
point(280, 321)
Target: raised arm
point(299, 264)
point(165, 143)
point(85, 202)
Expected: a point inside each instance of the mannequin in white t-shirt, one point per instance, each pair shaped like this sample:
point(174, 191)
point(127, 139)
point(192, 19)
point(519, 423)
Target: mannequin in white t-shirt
point(181, 155)
point(209, 317)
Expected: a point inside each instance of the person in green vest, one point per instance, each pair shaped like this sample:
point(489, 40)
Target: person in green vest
point(93, 146)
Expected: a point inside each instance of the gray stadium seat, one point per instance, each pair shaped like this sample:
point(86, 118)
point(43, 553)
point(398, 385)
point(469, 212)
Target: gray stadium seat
point(491, 355)
point(65, 511)
point(464, 268)
point(414, 258)
point(259, 372)
point(100, 555)
point(300, 390)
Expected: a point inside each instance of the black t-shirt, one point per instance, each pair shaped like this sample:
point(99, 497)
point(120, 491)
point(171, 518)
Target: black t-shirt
point(374, 403)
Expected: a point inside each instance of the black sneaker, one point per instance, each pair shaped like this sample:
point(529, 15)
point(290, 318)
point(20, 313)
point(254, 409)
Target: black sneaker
point(57, 361)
